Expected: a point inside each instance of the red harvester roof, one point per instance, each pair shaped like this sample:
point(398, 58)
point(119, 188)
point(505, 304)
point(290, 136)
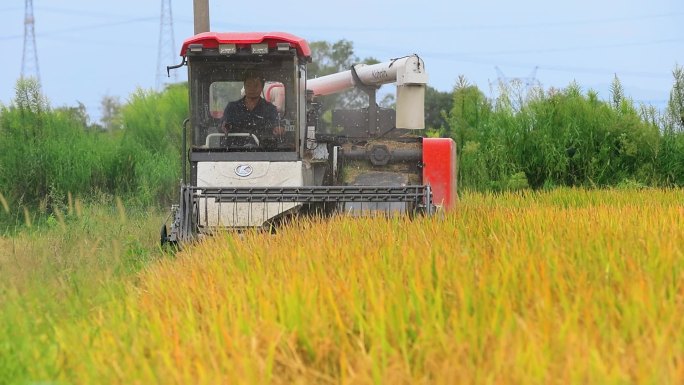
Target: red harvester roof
point(213, 39)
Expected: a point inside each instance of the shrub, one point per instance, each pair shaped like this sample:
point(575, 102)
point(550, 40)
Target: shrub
point(48, 154)
point(562, 138)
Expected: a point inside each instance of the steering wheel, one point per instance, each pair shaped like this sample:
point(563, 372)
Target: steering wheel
point(241, 139)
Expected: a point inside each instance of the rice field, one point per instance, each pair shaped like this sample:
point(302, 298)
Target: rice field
point(560, 287)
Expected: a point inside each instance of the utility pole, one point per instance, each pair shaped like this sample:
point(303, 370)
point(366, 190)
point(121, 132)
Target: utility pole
point(29, 58)
point(167, 45)
point(201, 11)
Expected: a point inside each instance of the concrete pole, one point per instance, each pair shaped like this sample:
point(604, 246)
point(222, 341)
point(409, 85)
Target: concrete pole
point(201, 10)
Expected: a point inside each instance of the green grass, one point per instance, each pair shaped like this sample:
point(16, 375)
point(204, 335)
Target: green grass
point(59, 272)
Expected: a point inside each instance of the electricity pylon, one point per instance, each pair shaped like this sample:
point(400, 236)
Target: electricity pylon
point(29, 58)
point(167, 44)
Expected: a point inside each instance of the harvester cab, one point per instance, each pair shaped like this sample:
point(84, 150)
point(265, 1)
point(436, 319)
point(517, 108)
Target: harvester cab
point(251, 173)
point(216, 75)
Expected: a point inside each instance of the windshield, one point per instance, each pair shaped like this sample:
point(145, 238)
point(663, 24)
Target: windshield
point(242, 105)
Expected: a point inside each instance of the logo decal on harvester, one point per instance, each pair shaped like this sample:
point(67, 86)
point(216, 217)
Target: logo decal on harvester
point(243, 170)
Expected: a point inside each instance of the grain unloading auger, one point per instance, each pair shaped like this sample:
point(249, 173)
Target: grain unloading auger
point(369, 160)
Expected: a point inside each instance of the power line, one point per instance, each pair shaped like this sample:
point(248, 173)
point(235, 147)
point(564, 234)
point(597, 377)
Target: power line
point(460, 27)
point(557, 68)
point(66, 11)
point(86, 27)
point(10, 9)
point(581, 47)
point(99, 42)
point(556, 24)
point(490, 60)
point(98, 26)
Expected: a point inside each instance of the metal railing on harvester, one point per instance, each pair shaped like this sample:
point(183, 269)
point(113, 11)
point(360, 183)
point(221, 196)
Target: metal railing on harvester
point(186, 213)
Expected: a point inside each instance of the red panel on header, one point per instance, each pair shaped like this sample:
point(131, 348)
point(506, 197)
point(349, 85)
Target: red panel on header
point(440, 170)
point(213, 39)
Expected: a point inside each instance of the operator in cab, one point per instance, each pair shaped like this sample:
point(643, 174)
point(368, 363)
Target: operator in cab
point(252, 113)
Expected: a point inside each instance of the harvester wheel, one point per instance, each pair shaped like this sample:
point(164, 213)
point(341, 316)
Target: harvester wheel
point(163, 235)
point(165, 243)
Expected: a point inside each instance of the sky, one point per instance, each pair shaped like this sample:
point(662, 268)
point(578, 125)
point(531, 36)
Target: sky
point(89, 49)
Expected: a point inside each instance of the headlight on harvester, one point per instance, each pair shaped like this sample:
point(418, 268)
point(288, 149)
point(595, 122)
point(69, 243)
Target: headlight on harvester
point(260, 49)
point(227, 49)
point(195, 48)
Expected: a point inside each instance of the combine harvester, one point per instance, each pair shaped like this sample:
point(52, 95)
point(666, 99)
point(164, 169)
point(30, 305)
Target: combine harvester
point(371, 159)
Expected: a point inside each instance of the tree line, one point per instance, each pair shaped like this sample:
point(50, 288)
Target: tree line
point(564, 137)
point(539, 138)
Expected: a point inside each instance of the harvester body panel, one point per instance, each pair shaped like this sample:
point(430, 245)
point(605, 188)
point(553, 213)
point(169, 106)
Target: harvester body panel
point(215, 214)
point(440, 169)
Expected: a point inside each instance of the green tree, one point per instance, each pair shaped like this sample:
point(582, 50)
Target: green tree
point(675, 106)
point(671, 152)
point(111, 112)
point(77, 114)
point(470, 110)
point(617, 93)
point(437, 106)
point(332, 58)
point(329, 58)
point(31, 105)
point(29, 97)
